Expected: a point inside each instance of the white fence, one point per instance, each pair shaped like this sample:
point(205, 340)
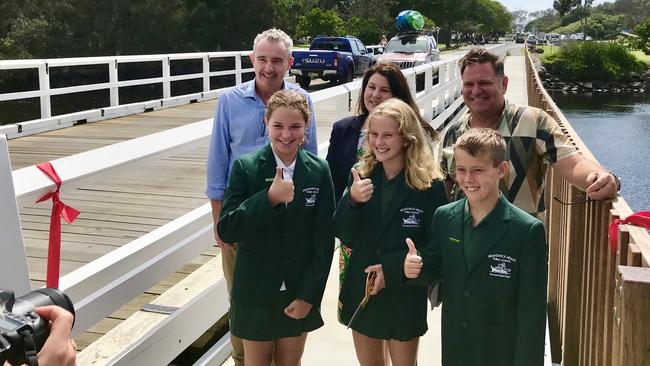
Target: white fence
point(104, 285)
point(115, 108)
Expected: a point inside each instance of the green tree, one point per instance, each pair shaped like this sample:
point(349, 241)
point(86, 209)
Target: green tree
point(374, 11)
point(317, 22)
point(588, 60)
point(603, 26)
point(491, 17)
point(364, 29)
point(643, 31)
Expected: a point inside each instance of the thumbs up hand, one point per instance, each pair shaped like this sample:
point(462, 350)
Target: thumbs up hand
point(412, 262)
point(281, 191)
point(361, 189)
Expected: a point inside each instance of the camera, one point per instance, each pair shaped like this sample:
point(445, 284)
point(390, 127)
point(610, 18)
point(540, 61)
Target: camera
point(22, 331)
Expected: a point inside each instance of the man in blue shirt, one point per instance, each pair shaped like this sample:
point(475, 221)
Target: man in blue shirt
point(239, 129)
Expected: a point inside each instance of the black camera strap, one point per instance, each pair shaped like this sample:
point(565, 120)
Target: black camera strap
point(31, 354)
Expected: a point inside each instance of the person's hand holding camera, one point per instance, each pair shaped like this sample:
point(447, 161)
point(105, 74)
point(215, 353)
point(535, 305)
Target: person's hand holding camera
point(59, 348)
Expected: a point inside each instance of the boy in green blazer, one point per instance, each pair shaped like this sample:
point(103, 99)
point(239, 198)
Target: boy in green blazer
point(491, 259)
point(278, 208)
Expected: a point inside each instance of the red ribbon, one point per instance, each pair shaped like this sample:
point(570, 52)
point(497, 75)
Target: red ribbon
point(59, 209)
point(641, 219)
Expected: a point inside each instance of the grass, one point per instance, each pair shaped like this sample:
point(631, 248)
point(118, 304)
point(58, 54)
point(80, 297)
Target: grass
point(548, 51)
point(642, 57)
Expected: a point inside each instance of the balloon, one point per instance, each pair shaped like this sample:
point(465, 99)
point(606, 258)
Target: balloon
point(409, 20)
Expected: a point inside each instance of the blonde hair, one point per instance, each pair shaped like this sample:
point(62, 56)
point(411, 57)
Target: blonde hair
point(274, 35)
point(420, 168)
point(483, 141)
point(292, 99)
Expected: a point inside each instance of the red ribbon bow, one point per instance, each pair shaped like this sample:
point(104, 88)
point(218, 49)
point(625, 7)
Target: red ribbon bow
point(638, 219)
point(59, 209)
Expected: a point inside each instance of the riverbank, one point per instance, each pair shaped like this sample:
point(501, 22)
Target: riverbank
point(555, 79)
point(638, 83)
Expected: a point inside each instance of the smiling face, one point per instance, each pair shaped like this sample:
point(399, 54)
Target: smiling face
point(271, 62)
point(286, 131)
point(386, 142)
point(477, 176)
point(377, 91)
point(483, 91)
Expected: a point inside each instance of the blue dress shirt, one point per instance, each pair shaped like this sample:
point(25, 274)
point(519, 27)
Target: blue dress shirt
point(239, 129)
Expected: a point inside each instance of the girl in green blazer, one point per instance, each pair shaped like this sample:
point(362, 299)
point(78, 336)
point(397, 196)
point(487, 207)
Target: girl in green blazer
point(393, 194)
point(278, 208)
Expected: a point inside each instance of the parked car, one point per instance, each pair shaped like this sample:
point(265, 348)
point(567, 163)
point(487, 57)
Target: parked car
point(411, 49)
point(519, 38)
point(335, 59)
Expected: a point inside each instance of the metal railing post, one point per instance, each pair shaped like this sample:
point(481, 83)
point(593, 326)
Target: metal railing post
point(238, 76)
point(14, 274)
point(44, 86)
point(113, 80)
point(206, 73)
point(166, 77)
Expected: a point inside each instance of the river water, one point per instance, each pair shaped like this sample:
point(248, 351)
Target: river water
point(616, 128)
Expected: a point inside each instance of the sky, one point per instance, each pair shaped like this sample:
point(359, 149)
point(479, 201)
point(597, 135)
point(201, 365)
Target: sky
point(534, 5)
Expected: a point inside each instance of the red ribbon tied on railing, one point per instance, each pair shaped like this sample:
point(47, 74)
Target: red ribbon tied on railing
point(641, 219)
point(59, 209)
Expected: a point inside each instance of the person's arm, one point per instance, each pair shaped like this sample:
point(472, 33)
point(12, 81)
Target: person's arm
point(313, 282)
point(531, 299)
point(333, 160)
point(394, 264)
point(244, 213)
point(216, 211)
point(584, 173)
point(312, 141)
point(348, 215)
point(58, 349)
point(588, 175)
point(217, 166)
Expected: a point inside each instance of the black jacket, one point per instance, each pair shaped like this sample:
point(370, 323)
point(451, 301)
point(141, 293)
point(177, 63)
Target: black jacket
point(342, 152)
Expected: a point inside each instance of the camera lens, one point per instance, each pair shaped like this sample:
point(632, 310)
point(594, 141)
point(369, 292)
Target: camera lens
point(42, 297)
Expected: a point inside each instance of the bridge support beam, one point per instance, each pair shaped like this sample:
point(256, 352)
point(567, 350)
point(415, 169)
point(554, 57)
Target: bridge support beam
point(13, 262)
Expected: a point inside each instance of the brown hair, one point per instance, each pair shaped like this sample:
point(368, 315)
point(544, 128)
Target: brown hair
point(479, 55)
point(483, 141)
point(398, 87)
point(419, 167)
point(291, 99)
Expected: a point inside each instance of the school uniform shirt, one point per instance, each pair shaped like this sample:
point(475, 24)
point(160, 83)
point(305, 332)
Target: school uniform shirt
point(397, 311)
point(493, 287)
point(291, 244)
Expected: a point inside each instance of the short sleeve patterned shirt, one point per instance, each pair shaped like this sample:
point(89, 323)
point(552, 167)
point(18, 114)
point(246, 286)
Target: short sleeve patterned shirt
point(533, 139)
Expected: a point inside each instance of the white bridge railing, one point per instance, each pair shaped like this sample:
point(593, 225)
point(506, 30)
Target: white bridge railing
point(115, 108)
point(107, 283)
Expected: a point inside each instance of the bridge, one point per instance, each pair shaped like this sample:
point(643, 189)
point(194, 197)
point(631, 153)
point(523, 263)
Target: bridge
point(139, 262)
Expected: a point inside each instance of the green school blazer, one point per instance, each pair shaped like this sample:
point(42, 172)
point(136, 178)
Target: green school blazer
point(494, 309)
point(293, 243)
point(398, 311)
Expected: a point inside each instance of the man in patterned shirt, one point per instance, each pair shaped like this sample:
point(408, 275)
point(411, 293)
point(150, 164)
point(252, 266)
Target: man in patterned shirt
point(533, 139)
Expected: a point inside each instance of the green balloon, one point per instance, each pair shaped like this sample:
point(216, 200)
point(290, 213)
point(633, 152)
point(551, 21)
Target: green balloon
point(416, 20)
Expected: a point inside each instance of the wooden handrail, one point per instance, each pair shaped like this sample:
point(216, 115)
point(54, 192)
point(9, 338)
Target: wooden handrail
point(590, 316)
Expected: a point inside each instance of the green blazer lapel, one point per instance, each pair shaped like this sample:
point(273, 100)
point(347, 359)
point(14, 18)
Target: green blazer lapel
point(454, 232)
point(266, 167)
point(373, 207)
point(493, 231)
point(301, 172)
